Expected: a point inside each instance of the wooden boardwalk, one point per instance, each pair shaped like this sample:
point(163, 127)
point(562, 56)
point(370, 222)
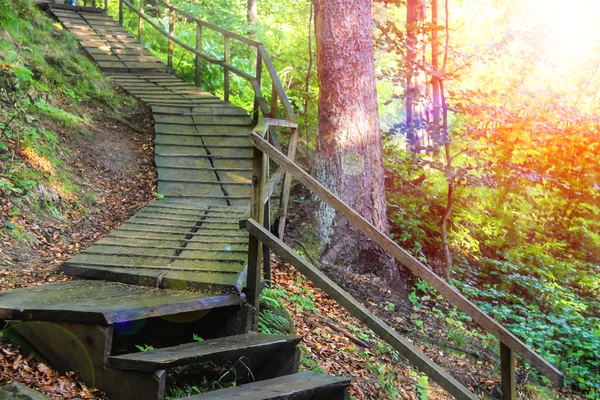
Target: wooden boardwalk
point(189, 239)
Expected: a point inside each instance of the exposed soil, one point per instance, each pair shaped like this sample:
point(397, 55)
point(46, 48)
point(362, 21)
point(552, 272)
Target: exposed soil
point(115, 165)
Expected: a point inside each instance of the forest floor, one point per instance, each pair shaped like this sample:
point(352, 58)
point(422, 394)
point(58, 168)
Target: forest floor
point(114, 164)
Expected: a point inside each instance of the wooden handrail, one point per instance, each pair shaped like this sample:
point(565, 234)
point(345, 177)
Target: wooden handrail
point(507, 339)
point(262, 56)
point(356, 309)
point(212, 27)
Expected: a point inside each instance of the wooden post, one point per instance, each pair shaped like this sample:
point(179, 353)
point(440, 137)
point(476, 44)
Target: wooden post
point(170, 45)
point(274, 107)
point(197, 71)
point(287, 183)
point(94, 3)
point(105, 6)
point(258, 79)
point(141, 23)
point(267, 224)
point(121, 12)
point(257, 210)
point(226, 70)
point(507, 370)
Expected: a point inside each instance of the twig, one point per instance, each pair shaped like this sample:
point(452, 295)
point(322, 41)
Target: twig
point(306, 252)
point(482, 356)
point(348, 335)
point(6, 125)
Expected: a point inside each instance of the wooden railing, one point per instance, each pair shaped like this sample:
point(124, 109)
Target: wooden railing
point(509, 343)
point(270, 111)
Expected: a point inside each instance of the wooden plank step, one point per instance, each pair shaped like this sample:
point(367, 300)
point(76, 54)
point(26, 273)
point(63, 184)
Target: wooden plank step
point(160, 278)
point(229, 347)
point(102, 303)
point(300, 386)
point(182, 234)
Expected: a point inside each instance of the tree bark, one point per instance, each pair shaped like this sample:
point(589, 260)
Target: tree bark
point(348, 157)
point(252, 12)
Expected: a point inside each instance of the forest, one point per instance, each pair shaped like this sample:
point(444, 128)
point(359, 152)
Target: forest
point(487, 115)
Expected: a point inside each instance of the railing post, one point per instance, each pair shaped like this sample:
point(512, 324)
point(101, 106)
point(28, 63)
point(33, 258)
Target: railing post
point(226, 70)
point(141, 23)
point(94, 3)
point(507, 371)
point(257, 210)
point(287, 183)
point(199, 48)
point(170, 45)
point(121, 12)
point(267, 224)
point(105, 6)
point(274, 107)
point(258, 79)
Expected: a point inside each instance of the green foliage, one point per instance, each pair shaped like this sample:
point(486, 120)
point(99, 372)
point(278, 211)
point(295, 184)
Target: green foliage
point(42, 75)
point(524, 226)
point(145, 347)
point(274, 317)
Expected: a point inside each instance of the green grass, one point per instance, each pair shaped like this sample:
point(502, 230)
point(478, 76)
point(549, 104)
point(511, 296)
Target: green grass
point(46, 85)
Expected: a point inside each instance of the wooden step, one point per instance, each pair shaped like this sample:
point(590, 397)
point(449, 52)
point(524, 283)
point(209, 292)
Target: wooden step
point(300, 386)
point(103, 303)
point(230, 347)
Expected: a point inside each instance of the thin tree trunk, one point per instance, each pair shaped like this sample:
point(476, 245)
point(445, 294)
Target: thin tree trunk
point(435, 78)
point(348, 157)
point(416, 85)
point(252, 12)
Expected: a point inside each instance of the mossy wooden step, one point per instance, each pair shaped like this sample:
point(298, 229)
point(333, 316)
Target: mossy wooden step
point(102, 303)
point(300, 386)
point(229, 347)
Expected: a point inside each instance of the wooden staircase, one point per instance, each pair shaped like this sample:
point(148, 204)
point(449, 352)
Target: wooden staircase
point(174, 272)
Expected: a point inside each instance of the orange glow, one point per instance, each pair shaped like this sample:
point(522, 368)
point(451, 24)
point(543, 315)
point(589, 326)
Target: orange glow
point(37, 161)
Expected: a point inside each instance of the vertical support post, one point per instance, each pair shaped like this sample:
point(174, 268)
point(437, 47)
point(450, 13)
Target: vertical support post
point(507, 370)
point(141, 23)
point(106, 6)
point(171, 44)
point(85, 3)
point(226, 70)
point(121, 12)
point(274, 107)
point(257, 210)
point(94, 3)
point(197, 71)
point(287, 183)
point(267, 224)
point(258, 79)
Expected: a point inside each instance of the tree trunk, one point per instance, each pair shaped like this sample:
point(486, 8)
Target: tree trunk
point(252, 12)
point(435, 78)
point(416, 84)
point(348, 157)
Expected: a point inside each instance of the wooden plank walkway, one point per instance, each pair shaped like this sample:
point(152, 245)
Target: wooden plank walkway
point(190, 238)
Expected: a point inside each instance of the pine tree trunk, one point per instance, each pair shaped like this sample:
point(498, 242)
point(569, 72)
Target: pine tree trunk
point(348, 157)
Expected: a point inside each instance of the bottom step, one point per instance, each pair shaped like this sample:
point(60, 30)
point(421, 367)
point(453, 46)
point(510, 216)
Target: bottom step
point(300, 386)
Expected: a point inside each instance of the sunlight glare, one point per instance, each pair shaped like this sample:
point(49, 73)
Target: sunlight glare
point(572, 27)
